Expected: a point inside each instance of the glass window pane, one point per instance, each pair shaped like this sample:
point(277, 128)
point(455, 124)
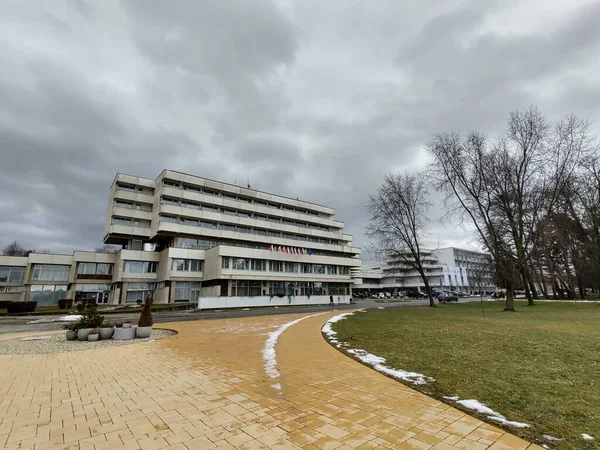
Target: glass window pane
point(224, 262)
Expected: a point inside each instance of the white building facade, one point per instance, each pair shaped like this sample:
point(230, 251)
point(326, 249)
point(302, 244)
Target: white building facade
point(446, 268)
point(189, 239)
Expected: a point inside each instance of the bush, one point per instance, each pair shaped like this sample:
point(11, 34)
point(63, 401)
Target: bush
point(90, 319)
point(65, 303)
point(80, 307)
point(91, 304)
point(21, 307)
point(139, 302)
point(146, 315)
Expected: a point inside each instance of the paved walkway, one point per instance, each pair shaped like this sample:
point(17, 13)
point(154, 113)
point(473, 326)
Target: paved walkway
point(206, 388)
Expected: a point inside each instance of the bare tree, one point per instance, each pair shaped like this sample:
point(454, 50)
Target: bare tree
point(15, 249)
point(398, 223)
point(106, 248)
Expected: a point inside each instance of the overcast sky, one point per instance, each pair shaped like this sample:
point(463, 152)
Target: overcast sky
point(308, 98)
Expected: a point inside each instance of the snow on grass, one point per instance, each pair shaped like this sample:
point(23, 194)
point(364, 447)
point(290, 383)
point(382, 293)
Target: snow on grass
point(475, 405)
point(269, 353)
point(551, 438)
point(69, 318)
point(587, 437)
point(377, 362)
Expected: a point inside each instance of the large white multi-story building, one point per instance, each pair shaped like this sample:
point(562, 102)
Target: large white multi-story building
point(446, 268)
point(189, 239)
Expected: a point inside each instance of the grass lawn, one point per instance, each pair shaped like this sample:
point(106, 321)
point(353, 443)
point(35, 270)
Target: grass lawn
point(540, 365)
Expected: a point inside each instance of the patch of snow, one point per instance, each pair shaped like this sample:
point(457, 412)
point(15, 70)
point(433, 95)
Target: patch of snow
point(276, 386)
point(268, 351)
point(245, 309)
point(587, 437)
point(69, 318)
point(380, 307)
point(551, 438)
point(377, 362)
point(453, 398)
point(490, 413)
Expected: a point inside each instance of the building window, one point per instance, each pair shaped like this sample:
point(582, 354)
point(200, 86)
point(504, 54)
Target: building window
point(225, 262)
point(12, 274)
point(291, 267)
point(87, 268)
point(121, 221)
point(241, 264)
point(138, 291)
point(123, 204)
point(227, 227)
point(47, 294)
point(331, 270)
point(12, 289)
point(240, 288)
point(204, 224)
point(276, 266)
point(319, 269)
point(125, 187)
point(187, 291)
point(307, 268)
point(141, 266)
point(258, 264)
point(161, 285)
point(244, 230)
point(343, 270)
point(47, 272)
point(187, 265)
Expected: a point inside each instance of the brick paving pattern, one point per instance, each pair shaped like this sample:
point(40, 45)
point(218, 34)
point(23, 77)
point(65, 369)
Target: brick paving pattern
point(206, 389)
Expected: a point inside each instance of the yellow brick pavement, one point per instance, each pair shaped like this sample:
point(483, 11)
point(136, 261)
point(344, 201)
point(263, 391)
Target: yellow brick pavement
point(206, 389)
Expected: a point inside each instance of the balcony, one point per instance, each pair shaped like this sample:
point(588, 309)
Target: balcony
point(129, 212)
point(133, 196)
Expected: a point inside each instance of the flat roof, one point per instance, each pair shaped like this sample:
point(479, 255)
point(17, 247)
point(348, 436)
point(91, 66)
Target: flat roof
point(222, 182)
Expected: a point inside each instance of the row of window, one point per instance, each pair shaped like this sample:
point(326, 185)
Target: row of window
point(51, 272)
point(12, 274)
point(282, 266)
point(241, 198)
point(138, 291)
point(133, 188)
point(88, 268)
point(251, 288)
point(187, 265)
point(47, 294)
point(133, 205)
point(12, 289)
point(140, 266)
point(129, 222)
point(239, 213)
point(243, 229)
point(196, 244)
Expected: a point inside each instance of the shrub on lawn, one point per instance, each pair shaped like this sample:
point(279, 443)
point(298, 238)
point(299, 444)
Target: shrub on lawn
point(80, 307)
point(90, 319)
point(21, 307)
point(65, 303)
point(146, 315)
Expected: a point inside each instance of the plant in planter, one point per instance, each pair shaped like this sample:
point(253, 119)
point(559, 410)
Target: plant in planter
point(94, 335)
point(124, 331)
point(106, 330)
point(91, 319)
point(144, 328)
point(71, 331)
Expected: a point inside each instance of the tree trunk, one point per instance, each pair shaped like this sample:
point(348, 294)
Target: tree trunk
point(427, 288)
point(510, 299)
point(542, 282)
point(525, 280)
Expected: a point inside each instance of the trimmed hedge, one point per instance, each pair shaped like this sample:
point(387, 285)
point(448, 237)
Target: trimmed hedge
point(65, 303)
point(21, 307)
point(4, 303)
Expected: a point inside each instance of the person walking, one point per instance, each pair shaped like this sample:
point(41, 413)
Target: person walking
point(331, 300)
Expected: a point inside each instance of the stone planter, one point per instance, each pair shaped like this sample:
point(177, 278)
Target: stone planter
point(106, 333)
point(143, 332)
point(71, 335)
point(127, 325)
point(82, 334)
point(93, 337)
point(122, 334)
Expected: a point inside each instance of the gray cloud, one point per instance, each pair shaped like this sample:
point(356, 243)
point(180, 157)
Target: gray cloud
point(309, 99)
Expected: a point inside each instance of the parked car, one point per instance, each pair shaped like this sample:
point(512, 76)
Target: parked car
point(416, 294)
point(387, 295)
point(498, 294)
point(375, 295)
point(445, 297)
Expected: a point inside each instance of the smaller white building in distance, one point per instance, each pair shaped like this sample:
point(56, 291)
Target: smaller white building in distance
point(446, 268)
